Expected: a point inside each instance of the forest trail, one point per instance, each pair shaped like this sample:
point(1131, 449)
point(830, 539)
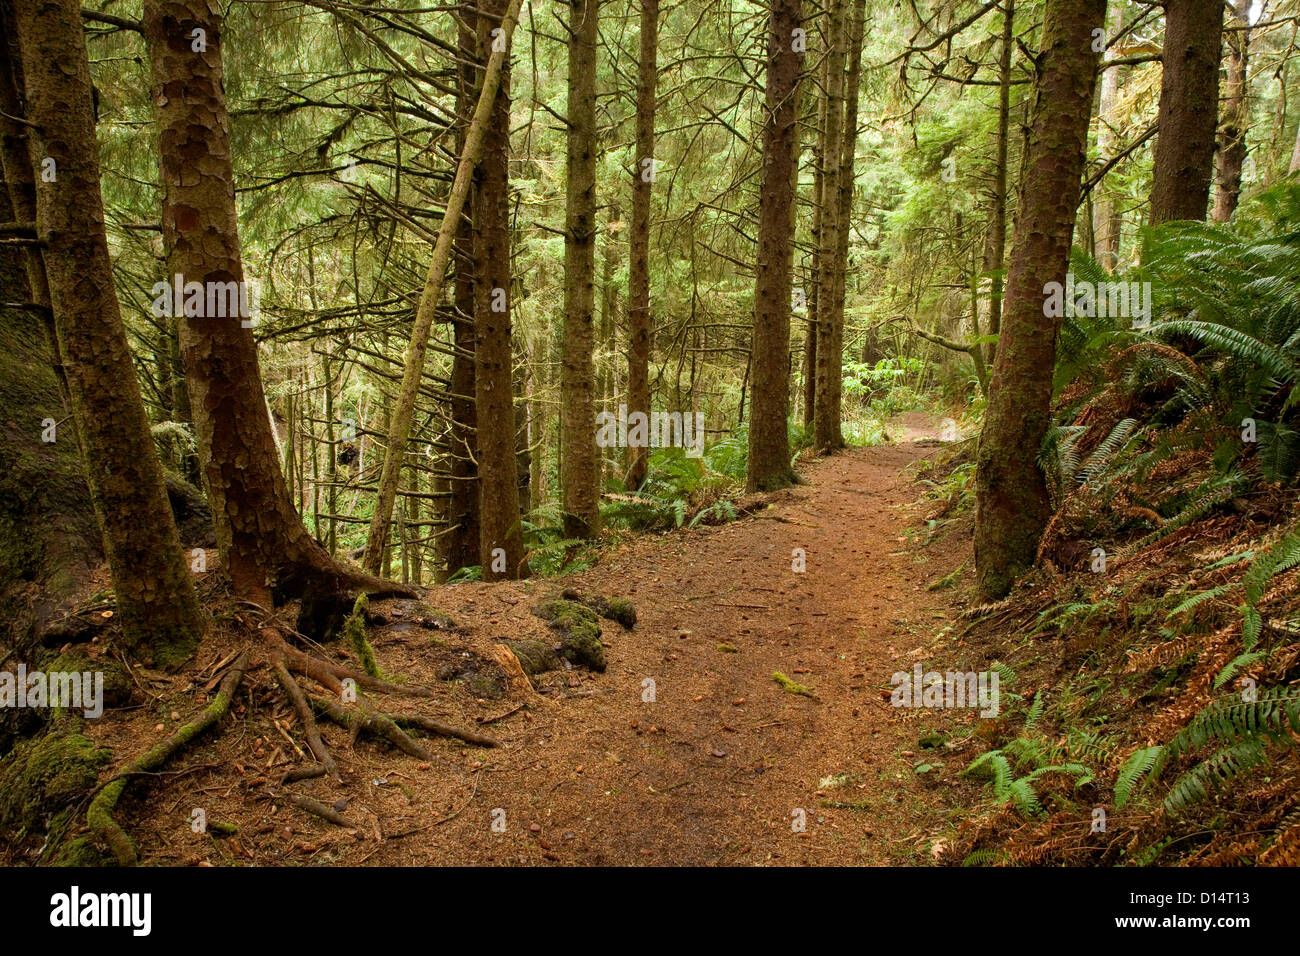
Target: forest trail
point(717, 768)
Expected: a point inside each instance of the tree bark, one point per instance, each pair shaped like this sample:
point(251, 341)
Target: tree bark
point(1107, 221)
point(501, 544)
point(813, 298)
point(1012, 506)
point(159, 612)
point(1189, 110)
point(638, 278)
point(995, 240)
point(50, 542)
point(260, 536)
point(1236, 115)
point(580, 469)
point(399, 430)
point(848, 157)
point(460, 544)
point(830, 315)
point(769, 441)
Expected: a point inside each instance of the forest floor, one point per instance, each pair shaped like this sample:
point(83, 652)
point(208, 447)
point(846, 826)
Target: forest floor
point(722, 766)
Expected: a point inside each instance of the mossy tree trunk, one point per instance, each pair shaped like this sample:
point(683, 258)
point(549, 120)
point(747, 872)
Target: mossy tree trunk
point(501, 546)
point(49, 539)
point(580, 465)
point(1012, 506)
point(157, 606)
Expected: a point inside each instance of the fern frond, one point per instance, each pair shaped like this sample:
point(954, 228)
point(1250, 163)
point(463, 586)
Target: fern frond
point(1137, 766)
point(1195, 785)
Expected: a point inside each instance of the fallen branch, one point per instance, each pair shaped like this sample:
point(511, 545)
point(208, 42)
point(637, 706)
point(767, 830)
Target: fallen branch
point(321, 810)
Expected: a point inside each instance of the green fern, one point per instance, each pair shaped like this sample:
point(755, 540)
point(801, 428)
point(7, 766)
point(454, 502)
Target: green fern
point(1230, 762)
point(1232, 720)
point(985, 857)
point(1137, 766)
point(1110, 446)
point(1234, 666)
point(1198, 599)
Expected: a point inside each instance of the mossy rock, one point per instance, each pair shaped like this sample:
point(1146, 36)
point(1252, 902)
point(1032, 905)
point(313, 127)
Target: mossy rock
point(579, 628)
point(80, 851)
point(620, 610)
point(583, 648)
point(535, 657)
point(46, 774)
point(117, 683)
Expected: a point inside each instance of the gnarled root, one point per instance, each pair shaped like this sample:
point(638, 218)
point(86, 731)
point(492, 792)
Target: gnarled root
point(100, 815)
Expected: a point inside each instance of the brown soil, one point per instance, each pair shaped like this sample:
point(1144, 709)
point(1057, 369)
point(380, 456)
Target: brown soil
point(718, 769)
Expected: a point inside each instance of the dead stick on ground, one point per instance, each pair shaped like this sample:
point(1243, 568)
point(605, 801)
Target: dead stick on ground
point(100, 815)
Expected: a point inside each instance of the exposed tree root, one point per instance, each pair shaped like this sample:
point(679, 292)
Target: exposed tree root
point(372, 722)
point(303, 773)
point(446, 730)
point(319, 809)
point(303, 709)
point(100, 815)
point(284, 663)
point(333, 675)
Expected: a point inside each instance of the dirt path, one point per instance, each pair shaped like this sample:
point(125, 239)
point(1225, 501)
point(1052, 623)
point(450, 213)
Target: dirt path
point(684, 751)
point(723, 763)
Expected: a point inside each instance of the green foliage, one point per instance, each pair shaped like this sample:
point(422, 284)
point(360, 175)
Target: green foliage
point(674, 483)
point(1242, 729)
point(1007, 787)
point(1210, 774)
point(1137, 766)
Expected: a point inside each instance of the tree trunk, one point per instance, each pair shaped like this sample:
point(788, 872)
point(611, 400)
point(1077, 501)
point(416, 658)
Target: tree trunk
point(1107, 221)
point(1236, 115)
point(399, 431)
point(995, 240)
point(1012, 506)
point(769, 441)
point(638, 277)
point(50, 542)
point(501, 545)
point(848, 157)
point(830, 315)
point(260, 535)
point(813, 295)
point(460, 544)
point(580, 469)
point(157, 606)
point(1189, 110)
